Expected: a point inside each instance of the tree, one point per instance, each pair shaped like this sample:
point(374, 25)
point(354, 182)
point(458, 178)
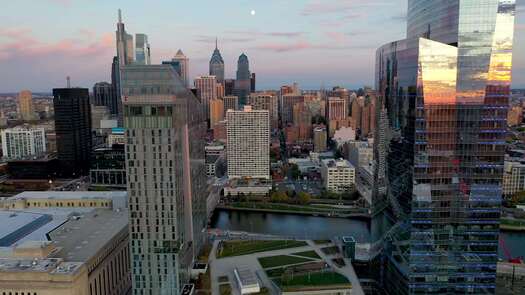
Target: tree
point(279, 197)
point(304, 198)
point(294, 171)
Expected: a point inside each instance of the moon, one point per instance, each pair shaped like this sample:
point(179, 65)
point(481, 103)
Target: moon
point(252, 12)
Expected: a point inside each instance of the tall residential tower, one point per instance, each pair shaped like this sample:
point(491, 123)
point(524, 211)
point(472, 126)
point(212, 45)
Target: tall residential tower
point(165, 129)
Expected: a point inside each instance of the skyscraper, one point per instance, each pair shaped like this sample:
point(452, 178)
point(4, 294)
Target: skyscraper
point(124, 43)
point(73, 130)
point(265, 101)
point(167, 177)
point(142, 50)
point(337, 109)
point(230, 103)
point(216, 111)
point(287, 103)
point(444, 91)
point(217, 64)
point(252, 82)
point(104, 95)
point(184, 67)
point(25, 101)
point(206, 91)
point(248, 143)
point(243, 82)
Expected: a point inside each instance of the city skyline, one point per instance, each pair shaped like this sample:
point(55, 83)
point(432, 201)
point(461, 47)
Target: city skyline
point(36, 54)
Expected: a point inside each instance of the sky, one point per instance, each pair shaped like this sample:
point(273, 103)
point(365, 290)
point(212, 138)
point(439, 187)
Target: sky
point(313, 42)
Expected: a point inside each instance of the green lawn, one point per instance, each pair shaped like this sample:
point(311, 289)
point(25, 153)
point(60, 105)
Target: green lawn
point(319, 281)
point(308, 254)
point(275, 272)
point(281, 260)
point(330, 250)
point(238, 248)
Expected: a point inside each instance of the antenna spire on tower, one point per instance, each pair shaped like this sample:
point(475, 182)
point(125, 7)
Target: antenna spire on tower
point(68, 82)
point(216, 42)
point(119, 16)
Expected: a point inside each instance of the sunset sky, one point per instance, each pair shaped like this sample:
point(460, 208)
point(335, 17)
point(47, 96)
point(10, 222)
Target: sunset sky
point(313, 42)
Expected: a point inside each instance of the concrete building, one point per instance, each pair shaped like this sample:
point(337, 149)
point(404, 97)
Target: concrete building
point(25, 102)
point(320, 139)
point(108, 167)
point(64, 243)
point(230, 103)
point(214, 152)
point(357, 113)
point(21, 142)
point(248, 147)
point(263, 101)
point(344, 135)
point(206, 91)
point(338, 175)
point(165, 130)
point(220, 131)
point(216, 111)
point(98, 115)
point(184, 67)
point(513, 176)
point(515, 116)
point(360, 153)
point(104, 95)
point(286, 106)
point(337, 109)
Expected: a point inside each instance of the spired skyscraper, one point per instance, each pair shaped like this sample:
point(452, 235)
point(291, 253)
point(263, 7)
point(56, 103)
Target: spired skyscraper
point(442, 106)
point(217, 64)
point(142, 50)
point(243, 82)
point(165, 129)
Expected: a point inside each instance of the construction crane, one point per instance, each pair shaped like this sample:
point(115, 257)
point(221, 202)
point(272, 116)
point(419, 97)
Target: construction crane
point(508, 255)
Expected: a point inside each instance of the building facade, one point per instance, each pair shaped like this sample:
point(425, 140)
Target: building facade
point(243, 81)
point(338, 175)
point(216, 112)
point(217, 65)
point(263, 101)
point(320, 139)
point(184, 67)
point(104, 95)
point(230, 103)
point(445, 92)
point(248, 143)
point(20, 143)
point(142, 50)
point(25, 102)
point(206, 91)
point(165, 129)
point(73, 130)
point(513, 177)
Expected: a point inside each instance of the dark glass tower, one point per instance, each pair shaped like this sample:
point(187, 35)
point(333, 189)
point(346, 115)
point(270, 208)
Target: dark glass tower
point(73, 130)
point(243, 82)
point(217, 65)
point(104, 95)
point(443, 96)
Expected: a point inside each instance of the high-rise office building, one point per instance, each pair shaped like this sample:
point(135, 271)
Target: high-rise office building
point(25, 101)
point(115, 83)
point(320, 139)
point(337, 109)
point(243, 81)
point(357, 113)
point(206, 91)
point(287, 103)
point(248, 143)
point(252, 82)
point(216, 111)
point(230, 103)
point(19, 143)
point(124, 43)
point(165, 129)
point(104, 95)
point(183, 68)
point(263, 101)
point(217, 65)
point(445, 91)
point(142, 50)
point(73, 130)
point(229, 86)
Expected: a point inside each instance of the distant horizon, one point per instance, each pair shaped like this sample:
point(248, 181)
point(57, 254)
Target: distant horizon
point(312, 42)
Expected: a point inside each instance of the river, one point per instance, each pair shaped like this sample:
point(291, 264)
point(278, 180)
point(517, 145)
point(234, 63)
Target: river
point(311, 227)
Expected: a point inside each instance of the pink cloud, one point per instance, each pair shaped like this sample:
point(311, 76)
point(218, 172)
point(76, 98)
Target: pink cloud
point(336, 36)
point(279, 47)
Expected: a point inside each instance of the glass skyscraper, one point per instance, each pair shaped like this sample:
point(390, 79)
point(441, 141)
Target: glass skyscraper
point(443, 97)
point(165, 129)
point(243, 82)
point(217, 65)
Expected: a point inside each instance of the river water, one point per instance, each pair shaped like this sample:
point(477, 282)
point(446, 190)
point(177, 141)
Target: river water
point(311, 227)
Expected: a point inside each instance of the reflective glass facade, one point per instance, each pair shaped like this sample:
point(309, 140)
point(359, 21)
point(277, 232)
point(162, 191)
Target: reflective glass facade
point(166, 176)
point(441, 140)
